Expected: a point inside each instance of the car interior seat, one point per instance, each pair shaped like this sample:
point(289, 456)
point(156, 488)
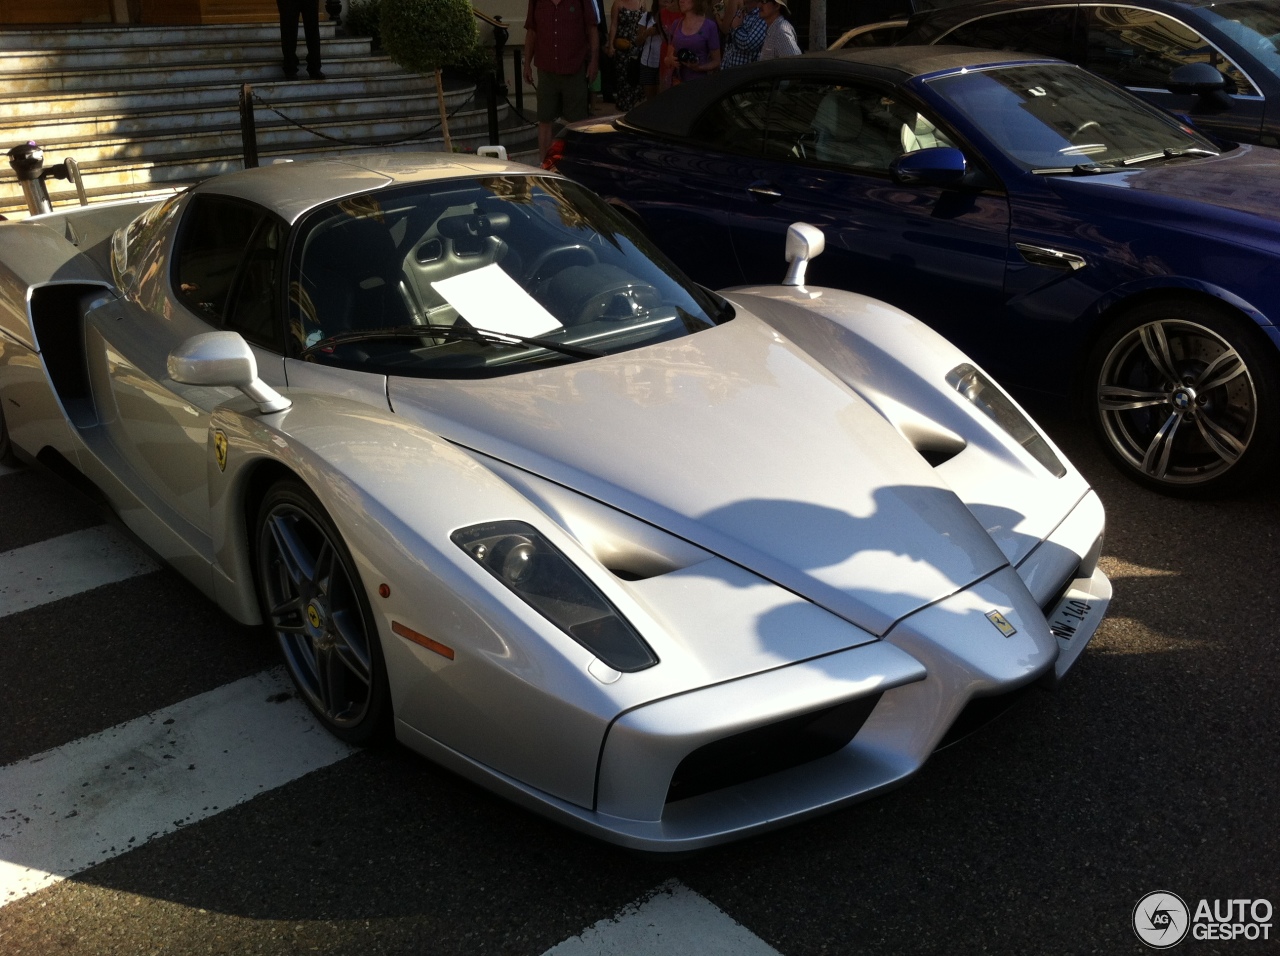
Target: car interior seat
point(351, 273)
point(837, 127)
point(919, 133)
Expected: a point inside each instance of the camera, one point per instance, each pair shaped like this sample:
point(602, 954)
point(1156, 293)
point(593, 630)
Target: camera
point(687, 57)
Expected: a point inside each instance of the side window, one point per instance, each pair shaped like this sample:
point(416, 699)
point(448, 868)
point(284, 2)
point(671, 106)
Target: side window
point(849, 127)
point(215, 234)
point(736, 123)
point(1048, 32)
point(1139, 48)
point(254, 303)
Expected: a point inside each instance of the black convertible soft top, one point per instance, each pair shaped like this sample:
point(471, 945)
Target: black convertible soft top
point(675, 111)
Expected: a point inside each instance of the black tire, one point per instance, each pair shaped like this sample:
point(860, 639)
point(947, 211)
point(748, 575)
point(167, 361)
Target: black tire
point(1183, 396)
point(315, 605)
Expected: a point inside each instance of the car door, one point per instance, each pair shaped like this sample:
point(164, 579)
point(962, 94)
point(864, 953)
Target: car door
point(689, 193)
point(1138, 49)
point(938, 253)
point(225, 263)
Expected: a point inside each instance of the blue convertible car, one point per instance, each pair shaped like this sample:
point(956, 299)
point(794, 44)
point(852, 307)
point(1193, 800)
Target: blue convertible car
point(1075, 240)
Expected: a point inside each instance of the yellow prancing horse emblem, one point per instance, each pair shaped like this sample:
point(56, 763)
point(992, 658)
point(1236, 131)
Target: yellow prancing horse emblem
point(220, 449)
point(1002, 623)
point(313, 615)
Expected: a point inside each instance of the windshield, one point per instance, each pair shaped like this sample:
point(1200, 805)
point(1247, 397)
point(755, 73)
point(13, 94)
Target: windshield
point(1254, 24)
point(1050, 116)
point(482, 276)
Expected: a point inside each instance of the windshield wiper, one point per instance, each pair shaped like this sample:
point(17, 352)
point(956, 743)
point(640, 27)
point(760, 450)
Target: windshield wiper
point(1110, 165)
point(464, 332)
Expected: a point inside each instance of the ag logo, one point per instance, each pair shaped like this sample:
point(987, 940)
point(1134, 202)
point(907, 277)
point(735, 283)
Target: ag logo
point(220, 449)
point(1161, 919)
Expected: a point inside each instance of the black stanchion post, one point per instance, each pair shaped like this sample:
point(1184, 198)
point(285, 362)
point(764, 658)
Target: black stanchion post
point(500, 34)
point(491, 104)
point(517, 63)
point(248, 132)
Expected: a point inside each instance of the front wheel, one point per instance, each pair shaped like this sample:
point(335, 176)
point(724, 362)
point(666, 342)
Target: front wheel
point(315, 605)
point(1184, 398)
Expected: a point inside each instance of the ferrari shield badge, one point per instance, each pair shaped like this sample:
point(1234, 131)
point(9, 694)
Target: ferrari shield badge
point(220, 449)
point(1002, 623)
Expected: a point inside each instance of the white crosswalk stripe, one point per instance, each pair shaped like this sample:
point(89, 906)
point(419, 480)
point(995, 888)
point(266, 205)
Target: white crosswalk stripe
point(68, 808)
point(67, 565)
point(673, 921)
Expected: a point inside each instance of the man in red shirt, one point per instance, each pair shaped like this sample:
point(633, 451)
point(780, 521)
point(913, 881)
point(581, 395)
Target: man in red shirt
point(560, 39)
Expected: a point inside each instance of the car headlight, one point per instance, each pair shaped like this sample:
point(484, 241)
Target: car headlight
point(521, 558)
point(993, 403)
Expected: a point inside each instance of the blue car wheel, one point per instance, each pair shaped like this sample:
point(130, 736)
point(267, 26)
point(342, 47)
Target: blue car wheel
point(1184, 397)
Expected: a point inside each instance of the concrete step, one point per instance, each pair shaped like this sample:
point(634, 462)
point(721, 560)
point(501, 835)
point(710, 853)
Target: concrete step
point(331, 121)
point(118, 35)
point(183, 56)
point(145, 110)
point(167, 76)
point(162, 178)
point(18, 108)
point(290, 100)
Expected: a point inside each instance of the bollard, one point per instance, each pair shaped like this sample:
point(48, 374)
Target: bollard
point(248, 132)
point(27, 161)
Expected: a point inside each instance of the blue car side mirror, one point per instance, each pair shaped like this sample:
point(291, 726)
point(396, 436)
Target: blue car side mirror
point(1204, 80)
point(1196, 78)
point(936, 166)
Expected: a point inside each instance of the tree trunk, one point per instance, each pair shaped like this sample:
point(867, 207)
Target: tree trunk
point(444, 116)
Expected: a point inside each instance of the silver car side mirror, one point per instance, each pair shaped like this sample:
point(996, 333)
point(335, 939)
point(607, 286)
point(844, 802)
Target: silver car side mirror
point(223, 360)
point(803, 243)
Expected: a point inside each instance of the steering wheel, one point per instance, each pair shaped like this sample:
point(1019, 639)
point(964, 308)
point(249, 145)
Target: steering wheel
point(1086, 125)
point(573, 248)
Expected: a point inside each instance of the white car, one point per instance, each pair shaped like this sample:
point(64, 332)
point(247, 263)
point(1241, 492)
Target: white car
point(668, 565)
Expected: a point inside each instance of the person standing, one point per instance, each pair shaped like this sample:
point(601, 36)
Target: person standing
point(624, 48)
point(695, 42)
point(744, 30)
point(560, 40)
point(780, 38)
point(309, 10)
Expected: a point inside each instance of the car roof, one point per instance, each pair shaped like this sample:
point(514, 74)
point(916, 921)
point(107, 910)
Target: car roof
point(291, 189)
point(675, 111)
point(965, 8)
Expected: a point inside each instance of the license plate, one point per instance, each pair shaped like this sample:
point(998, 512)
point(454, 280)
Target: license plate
point(1068, 616)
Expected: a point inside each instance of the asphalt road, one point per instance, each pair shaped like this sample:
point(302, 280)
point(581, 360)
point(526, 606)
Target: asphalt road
point(1153, 768)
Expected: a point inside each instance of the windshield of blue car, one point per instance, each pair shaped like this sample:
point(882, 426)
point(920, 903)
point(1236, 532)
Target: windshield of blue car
point(1055, 117)
point(483, 276)
point(1254, 24)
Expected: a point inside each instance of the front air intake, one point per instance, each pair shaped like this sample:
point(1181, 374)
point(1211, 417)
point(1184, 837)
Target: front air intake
point(769, 749)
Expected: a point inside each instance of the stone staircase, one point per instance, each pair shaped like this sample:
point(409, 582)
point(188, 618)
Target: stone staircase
point(146, 110)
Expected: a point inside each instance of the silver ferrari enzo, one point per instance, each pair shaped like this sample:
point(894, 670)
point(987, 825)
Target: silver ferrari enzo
point(669, 565)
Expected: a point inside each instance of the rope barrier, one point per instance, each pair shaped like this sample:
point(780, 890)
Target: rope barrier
point(412, 137)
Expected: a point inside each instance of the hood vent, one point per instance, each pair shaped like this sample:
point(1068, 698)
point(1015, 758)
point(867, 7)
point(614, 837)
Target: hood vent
point(629, 549)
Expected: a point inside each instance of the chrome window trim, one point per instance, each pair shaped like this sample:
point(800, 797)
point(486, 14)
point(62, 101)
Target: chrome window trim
point(1199, 33)
point(1062, 6)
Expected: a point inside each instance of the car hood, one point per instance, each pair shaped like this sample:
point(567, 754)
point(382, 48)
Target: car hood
point(1245, 180)
point(735, 440)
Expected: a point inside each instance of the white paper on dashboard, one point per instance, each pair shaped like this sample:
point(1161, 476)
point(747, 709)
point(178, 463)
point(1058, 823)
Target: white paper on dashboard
point(490, 299)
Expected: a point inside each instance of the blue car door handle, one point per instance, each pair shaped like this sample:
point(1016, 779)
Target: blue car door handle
point(765, 191)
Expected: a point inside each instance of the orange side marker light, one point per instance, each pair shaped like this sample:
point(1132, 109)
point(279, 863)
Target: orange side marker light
point(409, 634)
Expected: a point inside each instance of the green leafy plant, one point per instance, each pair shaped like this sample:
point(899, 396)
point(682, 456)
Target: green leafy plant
point(363, 20)
point(427, 35)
